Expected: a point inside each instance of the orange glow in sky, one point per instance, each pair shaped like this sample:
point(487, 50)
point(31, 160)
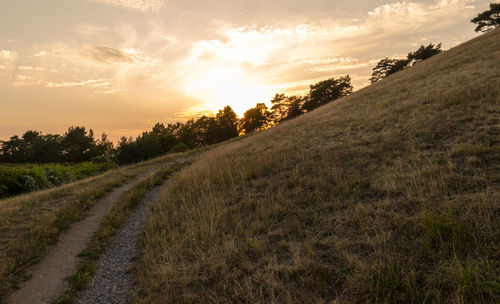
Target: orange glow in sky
point(120, 66)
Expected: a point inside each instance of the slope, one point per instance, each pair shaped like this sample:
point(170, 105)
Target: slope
point(388, 195)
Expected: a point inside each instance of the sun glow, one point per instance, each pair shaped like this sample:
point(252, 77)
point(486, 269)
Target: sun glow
point(223, 86)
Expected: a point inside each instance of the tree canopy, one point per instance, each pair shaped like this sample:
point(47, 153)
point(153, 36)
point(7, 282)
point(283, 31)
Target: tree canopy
point(256, 118)
point(326, 91)
point(389, 66)
point(488, 20)
point(286, 107)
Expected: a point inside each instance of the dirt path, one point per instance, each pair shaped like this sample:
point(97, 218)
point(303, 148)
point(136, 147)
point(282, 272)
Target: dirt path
point(113, 280)
point(47, 278)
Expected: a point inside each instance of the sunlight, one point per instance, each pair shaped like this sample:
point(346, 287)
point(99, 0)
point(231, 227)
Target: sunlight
point(223, 86)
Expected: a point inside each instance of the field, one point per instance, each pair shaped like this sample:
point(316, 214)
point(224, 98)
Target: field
point(22, 178)
point(388, 195)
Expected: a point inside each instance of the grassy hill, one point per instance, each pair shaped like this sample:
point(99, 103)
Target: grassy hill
point(389, 195)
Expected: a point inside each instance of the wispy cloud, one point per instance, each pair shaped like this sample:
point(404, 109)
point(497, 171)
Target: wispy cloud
point(139, 5)
point(35, 68)
point(108, 55)
point(92, 83)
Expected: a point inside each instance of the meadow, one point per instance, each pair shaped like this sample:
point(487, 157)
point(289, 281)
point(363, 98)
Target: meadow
point(389, 195)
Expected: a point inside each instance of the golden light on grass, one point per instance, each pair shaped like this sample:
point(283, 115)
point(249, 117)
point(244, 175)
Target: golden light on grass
point(388, 195)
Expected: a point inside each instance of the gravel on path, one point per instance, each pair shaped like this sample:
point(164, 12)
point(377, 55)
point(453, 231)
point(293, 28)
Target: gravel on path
point(113, 280)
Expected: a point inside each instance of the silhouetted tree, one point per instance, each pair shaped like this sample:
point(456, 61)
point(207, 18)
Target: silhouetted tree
point(386, 67)
point(46, 149)
point(327, 91)
point(255, 119)
point(126, 151)
point(424, 53)
point(286, 107)
point(295, 104)
point(104, 147)
point(78, 145)
point(168, 140)
point(389, 66)
point(13, 150)
point(488, 20)
point(227, 124)
point(279, 109)
point(205, 130)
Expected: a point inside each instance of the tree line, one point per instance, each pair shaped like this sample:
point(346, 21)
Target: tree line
point(78, 144)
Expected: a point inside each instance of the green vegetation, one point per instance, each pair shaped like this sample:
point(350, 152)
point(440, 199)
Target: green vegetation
point(22, 178)
point(30, 223)
point(108, 227)
point(388, 195)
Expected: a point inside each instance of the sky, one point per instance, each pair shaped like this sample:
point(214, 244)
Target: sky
point(120, 66)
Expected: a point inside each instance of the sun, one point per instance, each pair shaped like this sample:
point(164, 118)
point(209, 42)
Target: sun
point(221, 86)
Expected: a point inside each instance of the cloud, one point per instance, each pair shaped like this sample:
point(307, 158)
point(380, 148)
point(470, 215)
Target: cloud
point(7, 60)
point(109, 55)
point(7, 55)
point(138, 5)
point(34, 68)
point(100, 86)
point(256, 61)
point(92, 83)
point(22, 81)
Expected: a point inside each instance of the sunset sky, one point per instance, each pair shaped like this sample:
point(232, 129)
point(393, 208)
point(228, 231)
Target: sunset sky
point(120, 66)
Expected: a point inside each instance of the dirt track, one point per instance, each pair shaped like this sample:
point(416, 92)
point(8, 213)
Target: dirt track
point(47, 278)
point(113, 280)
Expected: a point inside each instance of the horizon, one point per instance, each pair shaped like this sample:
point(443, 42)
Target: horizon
point(120, 66)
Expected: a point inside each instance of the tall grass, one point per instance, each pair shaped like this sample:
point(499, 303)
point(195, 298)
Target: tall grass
point(389, 195)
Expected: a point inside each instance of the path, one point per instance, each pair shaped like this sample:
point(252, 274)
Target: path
point(113, 280)
point(47, 278)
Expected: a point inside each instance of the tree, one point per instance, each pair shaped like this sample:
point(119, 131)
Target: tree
point(286, 107)
point(279, 109)
point(488, 20)
point(46, 149)
point(295, 104)
point(326, 91)
point(227, 124)
point(126, 151)
point(386, 67)
point(13, 150)
point(78, 145)
point(389, 66)
point(104, 147)
point(255, 119)
point(424, 53)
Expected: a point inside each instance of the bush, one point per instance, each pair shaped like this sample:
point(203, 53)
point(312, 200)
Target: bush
point(17, 179)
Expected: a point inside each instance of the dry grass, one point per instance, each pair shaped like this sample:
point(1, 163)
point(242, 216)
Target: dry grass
point(30, 223)
point(389, 195)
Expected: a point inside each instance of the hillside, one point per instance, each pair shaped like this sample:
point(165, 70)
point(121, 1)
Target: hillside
point(388, 195)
